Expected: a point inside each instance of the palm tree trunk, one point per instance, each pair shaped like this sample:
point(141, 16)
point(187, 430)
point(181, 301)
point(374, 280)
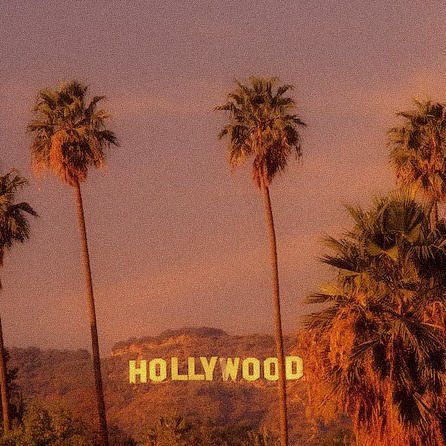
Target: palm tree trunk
point(277, 317)
point(92, 314)
point(4, 384)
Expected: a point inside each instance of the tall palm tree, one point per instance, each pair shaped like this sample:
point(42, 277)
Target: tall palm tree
point(383, 351)
point(69, 137)
point(14, 227)
point(418, 152)
point(263, 126)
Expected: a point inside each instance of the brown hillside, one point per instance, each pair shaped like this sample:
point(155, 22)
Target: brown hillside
point(67, 375)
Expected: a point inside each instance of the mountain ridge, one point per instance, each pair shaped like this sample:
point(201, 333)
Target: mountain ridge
point(66, 376)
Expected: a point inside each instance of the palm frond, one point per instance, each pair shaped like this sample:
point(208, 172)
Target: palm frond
point(262, 124)
point(69, 134)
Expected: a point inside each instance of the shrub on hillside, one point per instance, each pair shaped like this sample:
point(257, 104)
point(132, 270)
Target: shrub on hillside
point(177, 431)
point(47, 425)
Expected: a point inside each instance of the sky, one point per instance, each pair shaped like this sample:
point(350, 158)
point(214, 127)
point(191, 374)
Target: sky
point(176, 238)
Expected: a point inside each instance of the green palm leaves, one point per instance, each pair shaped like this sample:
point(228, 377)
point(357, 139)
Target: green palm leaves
point(14, 225)
point(418, 151)
point(69, 132)
point(262, 125)
point(380, 333)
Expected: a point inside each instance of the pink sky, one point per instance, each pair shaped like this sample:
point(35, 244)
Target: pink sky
point(176, 239)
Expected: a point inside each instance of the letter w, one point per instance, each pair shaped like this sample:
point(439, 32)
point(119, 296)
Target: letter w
point(229, 368)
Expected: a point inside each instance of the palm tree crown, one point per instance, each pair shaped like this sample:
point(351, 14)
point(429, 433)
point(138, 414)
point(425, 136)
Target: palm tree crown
point(263, 125)
point(384, 349)
point(418, 149)
point(69, 133)
point(14, 225)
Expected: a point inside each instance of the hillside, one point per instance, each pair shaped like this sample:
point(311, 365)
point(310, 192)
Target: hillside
point(67, 375)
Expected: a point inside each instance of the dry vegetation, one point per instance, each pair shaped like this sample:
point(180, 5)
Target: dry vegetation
point(61, 375)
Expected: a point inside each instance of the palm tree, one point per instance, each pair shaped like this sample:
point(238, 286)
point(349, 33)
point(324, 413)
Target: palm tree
point(382, 349)
point(263, 126)
point(418, 152)
point(14, 227)
point(69, 137)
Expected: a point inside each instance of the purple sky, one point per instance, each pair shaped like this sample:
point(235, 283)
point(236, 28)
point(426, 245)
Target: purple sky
point(176, 239)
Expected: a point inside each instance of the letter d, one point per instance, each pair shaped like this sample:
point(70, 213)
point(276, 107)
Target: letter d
point(294, 367)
